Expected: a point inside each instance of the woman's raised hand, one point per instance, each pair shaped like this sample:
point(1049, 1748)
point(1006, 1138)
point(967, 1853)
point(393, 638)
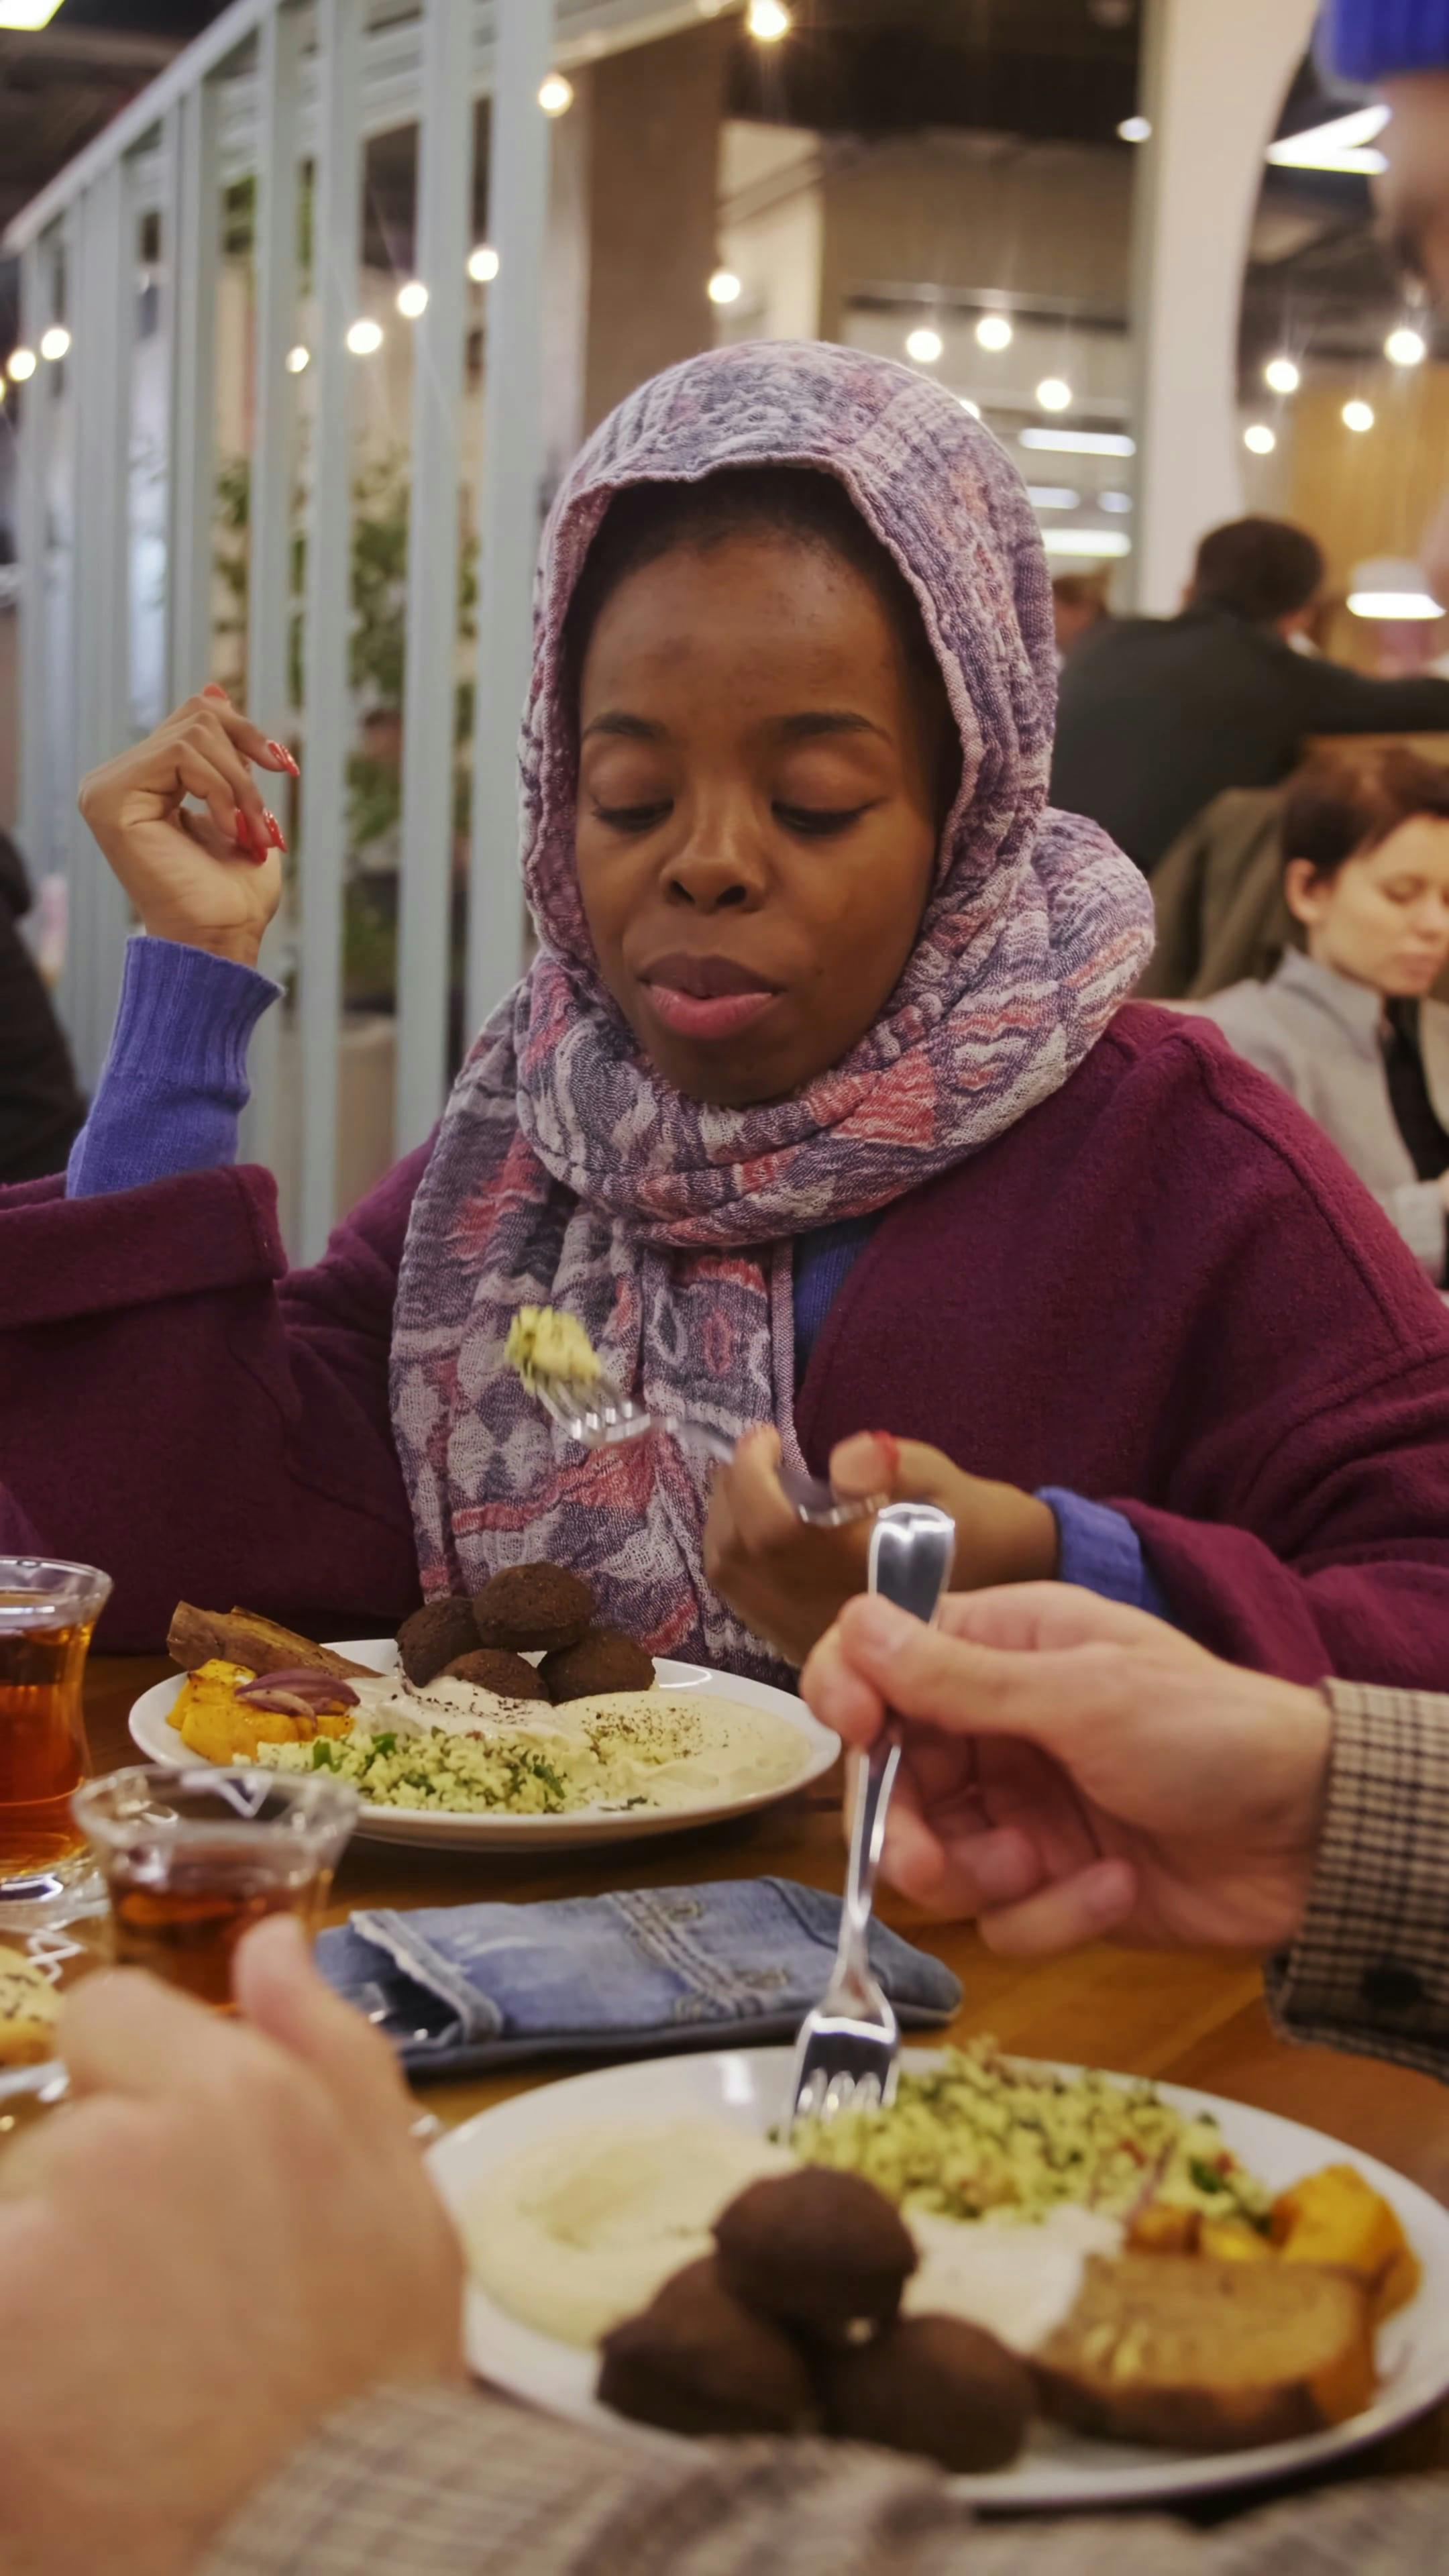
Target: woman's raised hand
point(788, 1581)
point(207, 874)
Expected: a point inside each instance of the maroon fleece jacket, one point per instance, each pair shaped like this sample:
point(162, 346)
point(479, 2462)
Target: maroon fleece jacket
point(1162, 1289)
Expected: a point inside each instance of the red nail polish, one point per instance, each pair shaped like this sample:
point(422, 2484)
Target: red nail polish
point(275, 829)
point(887, 1441)
point(243, 831)
point(280, 752)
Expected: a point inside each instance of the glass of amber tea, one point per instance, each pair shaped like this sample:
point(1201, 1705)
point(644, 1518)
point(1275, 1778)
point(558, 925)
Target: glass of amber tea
point(47, 1614)
point(192, 1858)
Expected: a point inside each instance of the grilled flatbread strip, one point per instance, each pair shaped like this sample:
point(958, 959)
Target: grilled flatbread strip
point(244, 1637)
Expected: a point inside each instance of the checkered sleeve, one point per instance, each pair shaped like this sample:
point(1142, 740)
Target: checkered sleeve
point(436, 2482)
point(1369, 1970)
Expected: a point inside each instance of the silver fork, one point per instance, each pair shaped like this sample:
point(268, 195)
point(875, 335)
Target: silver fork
point(596, 1414)
point(845, 2057)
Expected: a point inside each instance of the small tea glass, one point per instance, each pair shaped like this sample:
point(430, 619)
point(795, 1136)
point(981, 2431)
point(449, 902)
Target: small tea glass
point(192, 1858)
point(48, 1612)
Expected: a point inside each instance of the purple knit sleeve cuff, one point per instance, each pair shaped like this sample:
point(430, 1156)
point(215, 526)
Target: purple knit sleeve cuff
point(1101, 1551)
point(175, 1081)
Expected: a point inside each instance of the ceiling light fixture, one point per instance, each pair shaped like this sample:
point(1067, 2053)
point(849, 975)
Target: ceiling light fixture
point(1053, 496)
point(767, 21)
point(1393, 589)
point(1406, 347)
point(483, 264)
point(27, 15)
point(1341, 144)
point(1054, 394)
point(925, 346)
point(54, 342)
point(297, 359)
point(1080, 442)
point(1135, 129)
point(21, 365)
point(1282, 376)
point(725, 287)
point(1099, 542)
point(994, 331)
point(555, 95)
point(364, 338)
point(1260, 438)
point(412, 299)
point(1114, 500)
point(1358, 416)
point(967, 404)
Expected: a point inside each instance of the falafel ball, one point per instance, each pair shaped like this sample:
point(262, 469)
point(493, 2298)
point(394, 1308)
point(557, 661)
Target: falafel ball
point(816, 2248)
point(528, 1607)
point(604, 1660)
point(435, 1636)
point(696, 2361)
point(933, 2385)
point(490, 1668)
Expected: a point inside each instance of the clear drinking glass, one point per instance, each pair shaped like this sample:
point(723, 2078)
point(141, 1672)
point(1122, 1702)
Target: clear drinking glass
point(47, 1614)
point(192, 1858)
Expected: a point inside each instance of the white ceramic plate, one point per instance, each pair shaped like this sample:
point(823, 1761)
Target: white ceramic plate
point(748, 2087)
point(152, 1730)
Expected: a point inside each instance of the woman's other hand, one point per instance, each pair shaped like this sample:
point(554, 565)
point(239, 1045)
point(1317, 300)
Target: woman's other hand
point(207, 874)
point(1075, 1770)
point(788, 1581)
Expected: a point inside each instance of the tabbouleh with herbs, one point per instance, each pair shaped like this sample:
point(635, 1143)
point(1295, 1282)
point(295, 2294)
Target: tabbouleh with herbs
point(985, 2135)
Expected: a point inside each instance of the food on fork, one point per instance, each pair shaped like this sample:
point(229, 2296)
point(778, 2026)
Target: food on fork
point(699, 2361)
point(199, 1637)
point(818, 2249)
point(29, 2005)
point(1201, 2356)
point(603, 1660)
point(545, 1345)
point(492, 1668)
point(435, 1636)
point(532, 1608)
point(931, 2385)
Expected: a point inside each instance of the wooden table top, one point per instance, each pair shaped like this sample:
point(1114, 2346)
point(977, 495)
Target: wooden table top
point(1193, 2017)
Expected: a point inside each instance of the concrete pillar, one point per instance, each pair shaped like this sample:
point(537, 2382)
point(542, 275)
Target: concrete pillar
point(1214, 77)
point(653, 155)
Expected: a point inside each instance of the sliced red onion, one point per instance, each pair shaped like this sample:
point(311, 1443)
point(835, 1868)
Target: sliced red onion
point(299, 1692)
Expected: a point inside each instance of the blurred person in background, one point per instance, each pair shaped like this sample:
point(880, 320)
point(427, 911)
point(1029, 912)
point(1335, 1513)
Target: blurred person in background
point(1079, 609)
point(1163, 714)
point(41, 1108)
point(1346, 1024)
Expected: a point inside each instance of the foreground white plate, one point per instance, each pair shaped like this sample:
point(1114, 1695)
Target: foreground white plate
point(152, 1730)
point(1058, 2468)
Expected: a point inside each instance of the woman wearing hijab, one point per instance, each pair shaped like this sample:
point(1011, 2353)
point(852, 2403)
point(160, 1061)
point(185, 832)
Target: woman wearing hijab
point(818, 1109)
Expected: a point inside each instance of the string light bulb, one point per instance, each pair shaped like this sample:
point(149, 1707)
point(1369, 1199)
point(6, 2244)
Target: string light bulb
point(1358, 416)
point(1406, 347)
point(297, 359)
point(364, 338)
point(725, 287)
point(556, 95)
point(412, 299)
point(1135, 129)
point(55, 342)
point(994, 331)
point(924, 345)
point(483, 264)
point(1260, 438)
point(1281, 376)
point(1054, 394)
point(767, 21)
point(20, 366)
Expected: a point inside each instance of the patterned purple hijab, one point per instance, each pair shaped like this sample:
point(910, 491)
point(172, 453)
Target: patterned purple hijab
point(567, 1173)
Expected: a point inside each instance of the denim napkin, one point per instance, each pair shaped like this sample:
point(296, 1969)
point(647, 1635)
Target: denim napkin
point(462, 1988)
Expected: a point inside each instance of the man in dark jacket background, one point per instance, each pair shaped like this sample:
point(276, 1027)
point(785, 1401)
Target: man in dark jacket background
point(40, 1106)
point(1159, 714)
